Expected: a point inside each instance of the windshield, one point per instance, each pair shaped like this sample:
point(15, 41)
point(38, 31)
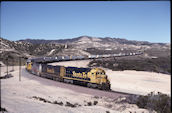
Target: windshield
point(100, 73)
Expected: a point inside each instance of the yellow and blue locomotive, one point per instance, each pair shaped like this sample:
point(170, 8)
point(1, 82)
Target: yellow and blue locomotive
point(91, 77)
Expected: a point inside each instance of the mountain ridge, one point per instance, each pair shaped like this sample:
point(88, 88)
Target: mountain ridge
point(155, 57)
point(122, 40)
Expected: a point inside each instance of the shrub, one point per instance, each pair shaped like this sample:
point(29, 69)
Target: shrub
point(41, 99)
point(3, 110)
point(95, 102)
point(59, 103)
point(89, 103)
point(107, 111)
point(96, 97)
point(70, 105)
point(159, 102)
point(142, 101)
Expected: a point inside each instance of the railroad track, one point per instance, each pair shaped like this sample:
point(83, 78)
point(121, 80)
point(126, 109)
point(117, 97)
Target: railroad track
point(77, 88)
point(91, 77)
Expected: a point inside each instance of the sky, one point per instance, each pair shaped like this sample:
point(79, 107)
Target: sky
point(131, 20)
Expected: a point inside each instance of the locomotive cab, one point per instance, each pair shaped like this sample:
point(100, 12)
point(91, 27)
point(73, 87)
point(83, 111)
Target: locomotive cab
point(99, 77)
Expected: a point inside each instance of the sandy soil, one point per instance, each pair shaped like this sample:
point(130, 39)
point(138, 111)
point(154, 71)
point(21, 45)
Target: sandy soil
point(139, 82)
point(18, 97)
point(78, 63)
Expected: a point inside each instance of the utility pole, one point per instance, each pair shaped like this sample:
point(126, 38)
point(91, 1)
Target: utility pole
point(19, 68)
point(7, 64)
point(13, 60)
point(0, 69)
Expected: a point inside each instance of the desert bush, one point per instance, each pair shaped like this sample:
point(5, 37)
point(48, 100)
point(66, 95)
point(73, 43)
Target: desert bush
point(59, 103)
point(95, 102)
point(70, 105)
point(89, 103)
point(3, 110)
point(76, 104)
point(6, 76)
point(107, 111)
point(96, 97)
point(159, 102)
point(142, 101)
point(41, 99)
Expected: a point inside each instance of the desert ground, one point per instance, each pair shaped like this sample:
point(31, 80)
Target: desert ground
point(39, 95)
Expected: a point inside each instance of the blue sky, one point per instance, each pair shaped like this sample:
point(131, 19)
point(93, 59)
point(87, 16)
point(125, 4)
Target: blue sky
point(132, 20)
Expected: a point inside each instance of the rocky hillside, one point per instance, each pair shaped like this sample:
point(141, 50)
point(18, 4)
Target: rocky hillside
point(83, 45)
point(107, 45)
point(15, 49)
point(86, 45)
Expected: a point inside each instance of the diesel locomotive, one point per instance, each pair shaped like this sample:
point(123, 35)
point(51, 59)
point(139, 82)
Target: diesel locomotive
point(90, 77)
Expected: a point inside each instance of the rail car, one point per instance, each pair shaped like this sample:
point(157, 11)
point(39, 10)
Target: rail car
point(29, 65)
point(90, 77)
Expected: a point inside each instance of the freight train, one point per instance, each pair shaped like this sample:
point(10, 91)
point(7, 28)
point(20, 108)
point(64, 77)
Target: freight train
point(90, 77)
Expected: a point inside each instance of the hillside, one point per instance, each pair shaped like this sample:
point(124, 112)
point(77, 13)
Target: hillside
point(156, 56)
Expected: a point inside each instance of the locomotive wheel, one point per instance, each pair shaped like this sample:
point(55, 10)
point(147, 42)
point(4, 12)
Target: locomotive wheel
point(105, 86)
point(88, 85)
point(61, 80)
point(68, 81)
